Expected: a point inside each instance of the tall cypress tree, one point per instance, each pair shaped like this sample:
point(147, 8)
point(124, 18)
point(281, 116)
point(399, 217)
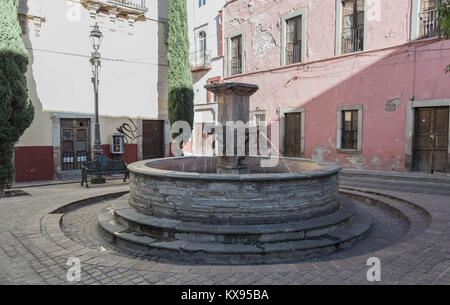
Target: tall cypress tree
point(16, 111)
point(181, 94)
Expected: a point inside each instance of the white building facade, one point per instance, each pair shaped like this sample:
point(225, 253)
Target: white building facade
point(206, 60)
point(132, 90)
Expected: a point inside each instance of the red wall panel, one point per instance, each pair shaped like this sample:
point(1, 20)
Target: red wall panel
point(34, 163)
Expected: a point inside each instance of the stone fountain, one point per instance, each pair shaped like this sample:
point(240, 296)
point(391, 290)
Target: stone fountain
point(230, 209)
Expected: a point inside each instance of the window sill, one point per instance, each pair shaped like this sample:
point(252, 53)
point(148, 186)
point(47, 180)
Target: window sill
point(350, 53)
point(348, 151)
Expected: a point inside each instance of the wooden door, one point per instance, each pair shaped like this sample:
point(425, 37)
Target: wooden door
point(431, 139)
point(293, 134)
point(152, 139)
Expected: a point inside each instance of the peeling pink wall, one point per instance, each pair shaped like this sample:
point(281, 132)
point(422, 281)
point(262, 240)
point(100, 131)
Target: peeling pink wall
point(390, 68)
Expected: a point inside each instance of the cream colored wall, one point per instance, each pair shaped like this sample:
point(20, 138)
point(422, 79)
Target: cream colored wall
point(205, 18)
point(109, 126)
point(40, 131)
point(133, 77)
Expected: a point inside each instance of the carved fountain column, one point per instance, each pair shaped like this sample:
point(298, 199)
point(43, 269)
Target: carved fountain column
point(233, 107)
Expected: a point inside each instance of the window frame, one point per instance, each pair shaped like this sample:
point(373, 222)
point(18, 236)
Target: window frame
point(339, 28)
point(283, 112)
point(340, 111)
point(415, 21)
point(298, 13)
point(202, 43)
point(229, 57)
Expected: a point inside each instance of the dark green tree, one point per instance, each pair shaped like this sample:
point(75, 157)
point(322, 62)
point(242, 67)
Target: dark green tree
point(181, 94)
point(16, 111)
point(444, 22)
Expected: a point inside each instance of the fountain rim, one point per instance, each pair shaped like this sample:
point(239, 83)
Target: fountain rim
point(141, 167)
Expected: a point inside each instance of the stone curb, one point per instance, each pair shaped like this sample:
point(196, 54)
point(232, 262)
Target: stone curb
point(408, 177)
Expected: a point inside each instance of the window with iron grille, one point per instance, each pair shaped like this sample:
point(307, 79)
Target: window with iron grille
point(429, 19)
point(293, 40)
point(352, 26)
point(349, 129)
point(236, 55)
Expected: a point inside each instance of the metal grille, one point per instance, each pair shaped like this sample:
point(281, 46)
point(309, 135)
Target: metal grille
point(70, 161)
point(200, 58)
point(429, 18)
point(353, 40)
point(293, 40)
point(141, 4)
point(236, 55)
point(352, 26)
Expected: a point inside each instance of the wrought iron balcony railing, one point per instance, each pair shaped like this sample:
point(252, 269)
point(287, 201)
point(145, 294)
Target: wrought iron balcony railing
point(294, 52)
point(124, 6)
point(200, 60)
point(429, 25)
point(138, 4)
point(353, 40)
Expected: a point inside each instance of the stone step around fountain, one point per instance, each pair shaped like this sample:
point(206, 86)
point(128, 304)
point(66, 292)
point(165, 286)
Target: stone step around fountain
point(197, 232)
point(220, 244)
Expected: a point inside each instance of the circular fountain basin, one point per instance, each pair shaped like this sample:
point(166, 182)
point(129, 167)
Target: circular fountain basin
point(181, 209)
point(189, 189)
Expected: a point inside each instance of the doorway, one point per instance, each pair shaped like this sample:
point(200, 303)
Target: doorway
point(431, 131)
point(152, 139)
point(75, 143)
point(293, 134)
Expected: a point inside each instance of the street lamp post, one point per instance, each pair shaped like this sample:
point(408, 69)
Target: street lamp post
point(96, 39)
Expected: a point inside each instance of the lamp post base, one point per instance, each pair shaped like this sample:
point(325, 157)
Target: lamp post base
point(98, 179)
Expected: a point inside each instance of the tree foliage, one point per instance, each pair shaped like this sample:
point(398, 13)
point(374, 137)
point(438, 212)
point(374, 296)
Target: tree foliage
point(181, 94)
point(444, 23)
point(16, 111)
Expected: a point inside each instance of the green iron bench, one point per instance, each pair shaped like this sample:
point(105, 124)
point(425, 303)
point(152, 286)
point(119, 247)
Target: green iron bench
point(102, 166)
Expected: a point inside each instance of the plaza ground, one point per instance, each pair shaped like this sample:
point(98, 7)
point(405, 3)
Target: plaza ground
point(35, 243)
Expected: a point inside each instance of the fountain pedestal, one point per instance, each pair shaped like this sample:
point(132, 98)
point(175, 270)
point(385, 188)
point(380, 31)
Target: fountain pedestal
point(233, 107)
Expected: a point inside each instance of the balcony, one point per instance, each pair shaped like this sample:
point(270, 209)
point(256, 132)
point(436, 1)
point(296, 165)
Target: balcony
point(429, 23)
point(200, 61)
point(129, 9)
point(134, 4)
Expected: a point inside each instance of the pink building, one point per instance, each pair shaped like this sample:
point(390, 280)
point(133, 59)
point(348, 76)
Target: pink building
point(358, 82)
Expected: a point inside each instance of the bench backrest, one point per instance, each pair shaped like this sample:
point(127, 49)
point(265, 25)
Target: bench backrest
point(102, 163)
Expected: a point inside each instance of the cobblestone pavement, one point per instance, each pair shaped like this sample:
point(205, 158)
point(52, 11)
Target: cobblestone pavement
point(34, 249)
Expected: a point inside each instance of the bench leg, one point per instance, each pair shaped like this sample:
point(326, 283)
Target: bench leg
point(86, 180)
